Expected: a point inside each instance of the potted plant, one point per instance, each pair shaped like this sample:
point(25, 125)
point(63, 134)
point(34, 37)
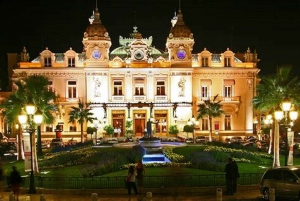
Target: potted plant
point(173, 129)
point(129, 131)
point(109, 129)
point(91, 130)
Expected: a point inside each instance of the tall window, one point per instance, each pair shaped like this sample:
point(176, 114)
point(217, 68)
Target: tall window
point(73, 127)
point(139, 87)
point(204, 124)
point(47, 61)
point(118, 88)
point(204, 62)
point(227, 62)
point(227, 91)
point(160, 88)
point(228, 88)
point(71, 62)
point(49, 128)
point(227, 122)
point(205, 88)
point(72, 89)
point(50, 86)
point(204, 91)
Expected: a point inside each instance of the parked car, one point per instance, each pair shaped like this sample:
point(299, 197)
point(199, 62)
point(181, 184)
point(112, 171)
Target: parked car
point(285, 180)
point(189, 140)
point(201, 139)
point(112, 140)
point(236, 140)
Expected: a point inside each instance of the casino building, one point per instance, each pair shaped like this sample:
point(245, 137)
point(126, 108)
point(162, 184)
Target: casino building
point(140, 82)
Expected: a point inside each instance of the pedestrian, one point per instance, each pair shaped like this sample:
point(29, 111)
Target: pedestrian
point(15, 182)
point(229, 177)
point(140, 170)
point(1, 181)
point(131, 180)
point(235, 175)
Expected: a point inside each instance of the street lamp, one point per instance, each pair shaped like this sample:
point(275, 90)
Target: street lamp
point(33, 116)
point(288, 117)
point(269, 121)
point(192, 122)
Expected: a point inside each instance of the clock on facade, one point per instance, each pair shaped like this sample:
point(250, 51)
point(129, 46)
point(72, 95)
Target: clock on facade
point(96, 54)
point(181, 54)
point(139, 55)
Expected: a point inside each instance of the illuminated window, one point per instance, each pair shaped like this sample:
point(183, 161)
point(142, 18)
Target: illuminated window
point(227, 62)
point(204, 61)
point(47, 61)
point(71, 62)
point(160, 88)
point(227, 122)
point(49, 128)
point(205, 88)
point(118, 87)
point(139, 87)
point(50, 86)
point(204, 124)
point(72, 89)
point(228, 88)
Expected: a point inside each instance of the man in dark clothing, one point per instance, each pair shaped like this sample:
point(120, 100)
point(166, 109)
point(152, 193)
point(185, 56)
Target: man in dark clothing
point(236, 175)
point(230, 170)
point(15, 182)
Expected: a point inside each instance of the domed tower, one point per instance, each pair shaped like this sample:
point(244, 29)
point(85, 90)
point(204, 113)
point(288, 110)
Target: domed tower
point(180, 41)
point(96, 41)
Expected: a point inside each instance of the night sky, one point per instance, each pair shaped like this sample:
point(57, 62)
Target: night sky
point(273, 29)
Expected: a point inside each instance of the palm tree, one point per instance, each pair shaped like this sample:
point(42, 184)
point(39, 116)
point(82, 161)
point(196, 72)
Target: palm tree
point(211, 109)
point(33, 89)
point(81, 114)
point(271, 91)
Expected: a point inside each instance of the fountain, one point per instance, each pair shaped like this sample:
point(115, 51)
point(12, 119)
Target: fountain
point(154, 152)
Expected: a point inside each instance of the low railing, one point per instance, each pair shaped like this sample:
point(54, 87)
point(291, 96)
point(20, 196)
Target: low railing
point(171, 181)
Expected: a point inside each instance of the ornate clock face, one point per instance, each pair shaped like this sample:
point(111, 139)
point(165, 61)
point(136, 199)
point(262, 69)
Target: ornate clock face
point(138, 55)
point(181, 54)
point(96, 54)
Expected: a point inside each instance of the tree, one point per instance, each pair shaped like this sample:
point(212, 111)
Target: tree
point(173, 129)
point(129, 131)
point(271, 91)
point(211, 109)
point(81, 114)
point(109, 129)
point(33, 88)
point(188, 129)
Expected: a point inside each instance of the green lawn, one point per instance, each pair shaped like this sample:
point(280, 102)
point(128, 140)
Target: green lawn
point(74, 171)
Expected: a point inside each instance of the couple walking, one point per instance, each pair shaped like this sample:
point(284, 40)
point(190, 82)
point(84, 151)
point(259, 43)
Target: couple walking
point(136, 173)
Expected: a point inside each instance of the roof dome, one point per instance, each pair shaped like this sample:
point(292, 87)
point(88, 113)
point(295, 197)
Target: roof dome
point(96, 28)
point(180, 29)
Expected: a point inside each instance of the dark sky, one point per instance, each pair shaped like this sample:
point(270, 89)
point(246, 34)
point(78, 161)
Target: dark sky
point(273, 29)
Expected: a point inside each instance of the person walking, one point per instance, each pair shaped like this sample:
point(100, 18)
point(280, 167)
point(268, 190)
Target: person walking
point(235, 176)
point(140, 170)
point(15, 182)
point(1, 180)
point(229, 177)
point(131, 180)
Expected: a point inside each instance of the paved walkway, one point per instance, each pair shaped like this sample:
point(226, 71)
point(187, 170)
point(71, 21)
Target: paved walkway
point(242, 195)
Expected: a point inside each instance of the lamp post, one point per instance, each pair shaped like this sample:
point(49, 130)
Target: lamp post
point(192, 122)
point(269, 121)
point(287, 116)
point(33, 116)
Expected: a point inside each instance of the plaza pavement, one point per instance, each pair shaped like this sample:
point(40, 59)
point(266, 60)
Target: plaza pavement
point(245, 193)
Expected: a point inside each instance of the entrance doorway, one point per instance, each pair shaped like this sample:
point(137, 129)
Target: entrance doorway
point(118, 124)
point(139, 124)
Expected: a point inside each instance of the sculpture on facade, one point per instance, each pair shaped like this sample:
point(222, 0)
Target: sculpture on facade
point(181, 85)
point(97, 88)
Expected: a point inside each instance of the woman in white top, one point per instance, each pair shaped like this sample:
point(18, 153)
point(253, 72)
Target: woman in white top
point(131, 180)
